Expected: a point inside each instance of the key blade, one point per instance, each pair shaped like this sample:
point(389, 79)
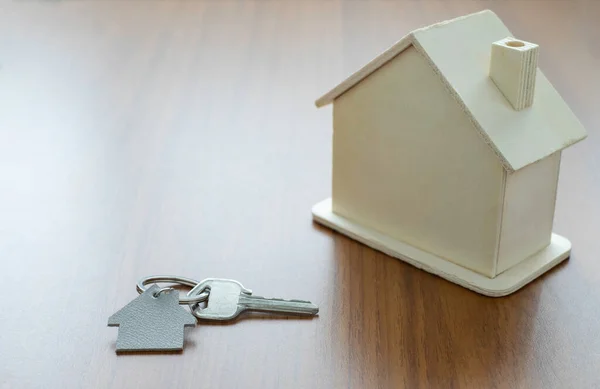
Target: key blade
point(276, 305)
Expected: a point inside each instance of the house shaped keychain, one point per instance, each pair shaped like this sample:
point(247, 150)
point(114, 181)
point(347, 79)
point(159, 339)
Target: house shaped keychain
point(153, 321)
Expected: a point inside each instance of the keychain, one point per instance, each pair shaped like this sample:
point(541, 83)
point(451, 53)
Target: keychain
point(154, 321)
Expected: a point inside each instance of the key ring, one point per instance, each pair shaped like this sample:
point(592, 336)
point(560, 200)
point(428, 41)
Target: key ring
point(198, 298)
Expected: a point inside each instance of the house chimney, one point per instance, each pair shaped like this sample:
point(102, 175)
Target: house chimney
point(513, 67)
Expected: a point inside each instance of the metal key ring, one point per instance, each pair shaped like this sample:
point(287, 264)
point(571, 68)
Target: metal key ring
point(200, 297)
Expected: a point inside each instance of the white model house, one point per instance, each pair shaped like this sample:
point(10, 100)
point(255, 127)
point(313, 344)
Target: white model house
point(446, 154)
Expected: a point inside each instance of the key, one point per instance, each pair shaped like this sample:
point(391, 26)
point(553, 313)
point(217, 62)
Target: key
point(228, 298)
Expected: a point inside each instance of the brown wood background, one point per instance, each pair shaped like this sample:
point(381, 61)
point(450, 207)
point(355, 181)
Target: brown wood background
point(180, 137)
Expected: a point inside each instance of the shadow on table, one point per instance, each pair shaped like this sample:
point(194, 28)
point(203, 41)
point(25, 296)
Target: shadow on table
point(395, 323)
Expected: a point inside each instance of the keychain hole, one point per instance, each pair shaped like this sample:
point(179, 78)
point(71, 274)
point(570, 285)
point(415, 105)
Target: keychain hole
point(161, 291)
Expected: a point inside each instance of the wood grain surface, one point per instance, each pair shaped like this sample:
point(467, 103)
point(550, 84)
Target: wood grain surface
point(180, 137)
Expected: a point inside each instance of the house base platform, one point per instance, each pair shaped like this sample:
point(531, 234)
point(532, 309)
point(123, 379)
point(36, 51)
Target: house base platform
point(503, 284)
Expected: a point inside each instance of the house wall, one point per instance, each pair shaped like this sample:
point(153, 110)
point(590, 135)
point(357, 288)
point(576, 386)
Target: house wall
point(409, 163)
point(528, 211)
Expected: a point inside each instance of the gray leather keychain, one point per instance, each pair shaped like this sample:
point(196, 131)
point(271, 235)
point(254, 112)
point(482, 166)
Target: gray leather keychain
point(153, 321)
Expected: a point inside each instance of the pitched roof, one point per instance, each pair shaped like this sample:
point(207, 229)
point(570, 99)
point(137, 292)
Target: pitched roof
point(459, 51)
point(145, 303)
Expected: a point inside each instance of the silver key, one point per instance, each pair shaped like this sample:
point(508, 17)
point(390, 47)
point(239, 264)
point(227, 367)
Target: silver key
point(228, 298)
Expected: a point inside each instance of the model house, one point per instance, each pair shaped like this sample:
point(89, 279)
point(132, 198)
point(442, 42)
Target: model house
point(446, 154)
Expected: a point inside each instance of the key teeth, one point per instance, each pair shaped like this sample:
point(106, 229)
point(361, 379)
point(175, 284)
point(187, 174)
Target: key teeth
point(280, 299)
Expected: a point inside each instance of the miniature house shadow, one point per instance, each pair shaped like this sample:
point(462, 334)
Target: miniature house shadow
point(399, 309)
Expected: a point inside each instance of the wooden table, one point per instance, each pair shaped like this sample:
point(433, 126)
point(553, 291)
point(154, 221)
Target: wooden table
point(180, 137)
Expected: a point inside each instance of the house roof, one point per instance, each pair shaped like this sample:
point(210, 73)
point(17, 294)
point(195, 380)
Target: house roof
point(144, 307)
point(459, 51)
